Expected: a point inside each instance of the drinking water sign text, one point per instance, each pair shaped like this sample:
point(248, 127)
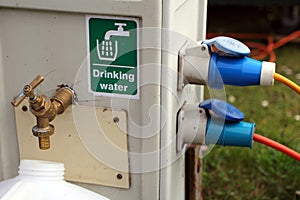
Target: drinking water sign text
point(112, 45)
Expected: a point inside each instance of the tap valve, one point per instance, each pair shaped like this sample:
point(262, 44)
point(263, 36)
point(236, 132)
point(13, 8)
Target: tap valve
point(28, 91)
point(44, 108)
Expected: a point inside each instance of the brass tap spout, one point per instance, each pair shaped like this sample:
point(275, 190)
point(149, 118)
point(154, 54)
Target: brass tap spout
point(44, 108)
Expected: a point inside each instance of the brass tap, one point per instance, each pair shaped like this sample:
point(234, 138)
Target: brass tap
point(44, 108)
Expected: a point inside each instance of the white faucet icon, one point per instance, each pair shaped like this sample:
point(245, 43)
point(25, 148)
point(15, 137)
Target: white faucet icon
point(108, 51)
point(119, 32)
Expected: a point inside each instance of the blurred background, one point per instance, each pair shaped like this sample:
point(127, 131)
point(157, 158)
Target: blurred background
point(271, 29)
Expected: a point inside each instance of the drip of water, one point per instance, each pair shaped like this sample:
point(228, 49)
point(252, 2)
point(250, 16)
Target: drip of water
point(107, 49)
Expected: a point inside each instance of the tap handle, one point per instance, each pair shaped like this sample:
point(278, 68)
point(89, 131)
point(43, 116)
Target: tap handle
point(120, 25)
point(28, 91)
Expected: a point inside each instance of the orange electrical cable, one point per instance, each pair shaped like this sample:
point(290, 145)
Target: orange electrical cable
point(277, 146)
point(287, 82)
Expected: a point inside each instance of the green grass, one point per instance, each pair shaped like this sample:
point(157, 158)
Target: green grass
point(260, 172)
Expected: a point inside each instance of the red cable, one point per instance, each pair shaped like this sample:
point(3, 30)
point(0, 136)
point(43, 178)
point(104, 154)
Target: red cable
point(286, 39)
point(261, 50)
point(277, 146)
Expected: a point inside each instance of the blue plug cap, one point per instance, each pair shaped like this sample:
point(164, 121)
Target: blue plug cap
point(229, 46)
point(241, 71)
point(229, 133)
point(223, 109)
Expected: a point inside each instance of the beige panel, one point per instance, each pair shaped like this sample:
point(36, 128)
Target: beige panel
point(90, 141)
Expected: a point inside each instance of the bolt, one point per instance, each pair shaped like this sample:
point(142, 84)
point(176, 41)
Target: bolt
point(28, 91)
point(203, 48)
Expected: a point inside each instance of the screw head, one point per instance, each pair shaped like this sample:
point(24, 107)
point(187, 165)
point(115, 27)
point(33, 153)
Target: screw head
point(119, 176)
point(24, 108)
point(27, 89)
point(116, 119)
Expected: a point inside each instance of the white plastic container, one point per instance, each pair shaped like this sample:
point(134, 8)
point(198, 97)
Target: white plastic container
point(43, 180)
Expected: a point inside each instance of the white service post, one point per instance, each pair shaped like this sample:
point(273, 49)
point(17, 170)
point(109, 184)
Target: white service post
point(121, 58)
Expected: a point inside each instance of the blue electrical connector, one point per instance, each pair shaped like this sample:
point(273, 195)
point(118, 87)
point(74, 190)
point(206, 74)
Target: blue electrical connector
point(238, 71)
point(229, 133)
point(227, 128)
point(230, 66)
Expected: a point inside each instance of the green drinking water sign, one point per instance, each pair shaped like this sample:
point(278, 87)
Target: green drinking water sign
point(112, 45)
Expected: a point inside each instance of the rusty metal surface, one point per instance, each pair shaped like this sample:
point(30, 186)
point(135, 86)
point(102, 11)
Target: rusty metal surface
point(193, 173)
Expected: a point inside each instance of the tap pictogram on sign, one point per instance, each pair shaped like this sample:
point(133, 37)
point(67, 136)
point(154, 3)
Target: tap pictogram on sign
point(108, 50)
